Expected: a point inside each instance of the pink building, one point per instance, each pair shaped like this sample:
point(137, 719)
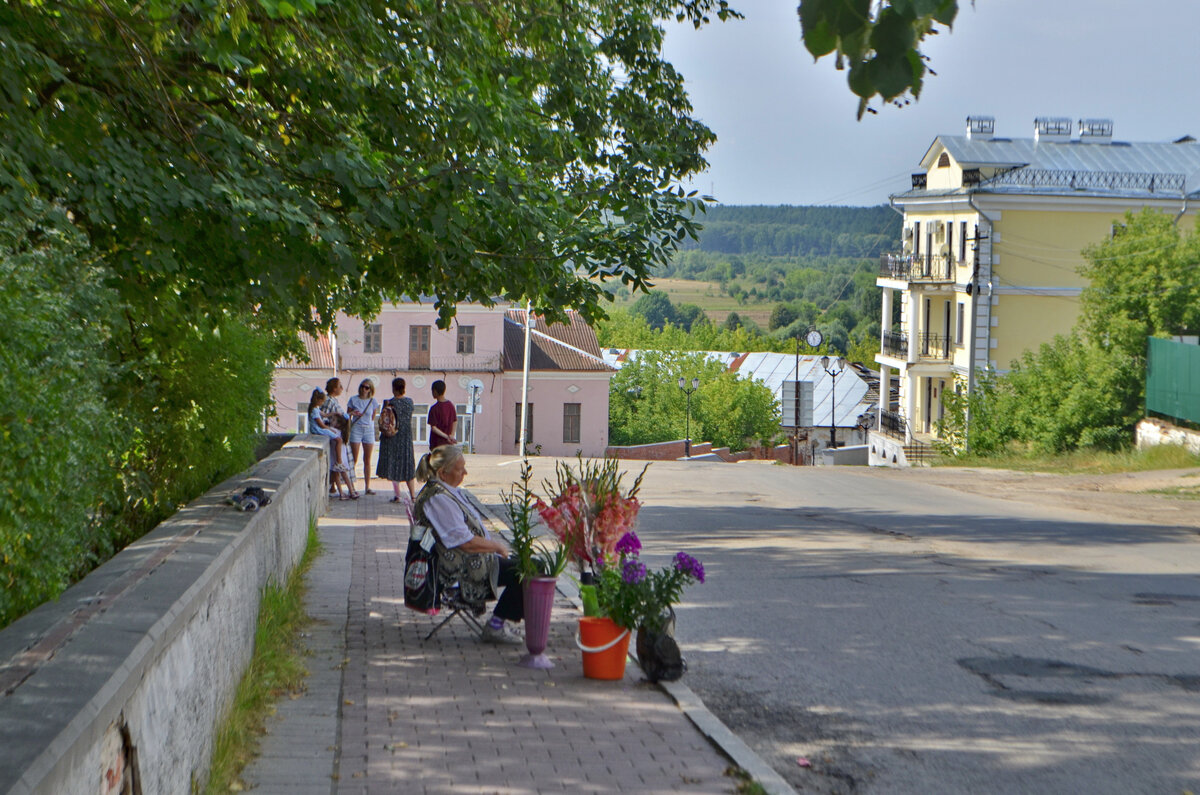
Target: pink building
point(568, 380)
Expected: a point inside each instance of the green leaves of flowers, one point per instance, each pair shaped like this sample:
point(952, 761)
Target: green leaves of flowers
point(876, 42)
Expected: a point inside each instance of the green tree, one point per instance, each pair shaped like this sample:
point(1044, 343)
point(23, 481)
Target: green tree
point(206, 179)
point(646, 404)
point(1143, 282)
point(656, 308)
point(782, 315)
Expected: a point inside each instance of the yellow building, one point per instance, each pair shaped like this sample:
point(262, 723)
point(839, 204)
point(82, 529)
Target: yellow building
point(994, 230)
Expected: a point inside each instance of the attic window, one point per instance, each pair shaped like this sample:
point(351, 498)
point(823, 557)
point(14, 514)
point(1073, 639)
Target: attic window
point(943, 161)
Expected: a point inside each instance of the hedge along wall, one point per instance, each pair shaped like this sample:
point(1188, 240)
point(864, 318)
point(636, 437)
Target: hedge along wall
point(128, 674)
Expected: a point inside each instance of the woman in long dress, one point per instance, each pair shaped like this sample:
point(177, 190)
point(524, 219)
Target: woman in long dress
point(396, 452)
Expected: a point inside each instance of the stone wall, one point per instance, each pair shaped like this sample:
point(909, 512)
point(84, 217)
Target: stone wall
point(120, 684)
point(1151, 431)
point(673, 450)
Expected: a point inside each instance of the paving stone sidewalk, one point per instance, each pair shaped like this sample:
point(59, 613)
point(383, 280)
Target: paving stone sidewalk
point(387, 712)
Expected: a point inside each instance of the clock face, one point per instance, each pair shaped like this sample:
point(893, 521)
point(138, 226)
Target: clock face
point(814, 339)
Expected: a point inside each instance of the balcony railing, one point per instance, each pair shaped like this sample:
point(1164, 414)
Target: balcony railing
point(895, 344)
point(917, 268)
point(929, 346)
point(934, 346)
point(482, 362)
point(893, 425)
point(467, 362)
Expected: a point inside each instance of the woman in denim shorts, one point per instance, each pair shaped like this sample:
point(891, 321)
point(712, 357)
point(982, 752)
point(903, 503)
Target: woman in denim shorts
point(363, 408)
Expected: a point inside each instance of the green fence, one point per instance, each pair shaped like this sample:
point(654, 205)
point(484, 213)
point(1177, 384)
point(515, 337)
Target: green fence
point(1173, 380)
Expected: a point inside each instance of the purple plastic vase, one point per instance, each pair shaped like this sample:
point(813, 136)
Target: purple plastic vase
point(539, 600)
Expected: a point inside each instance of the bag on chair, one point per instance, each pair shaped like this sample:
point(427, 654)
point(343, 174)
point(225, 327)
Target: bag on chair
point(420, 571)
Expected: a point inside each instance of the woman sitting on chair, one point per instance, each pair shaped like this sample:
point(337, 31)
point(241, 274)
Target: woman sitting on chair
point(467, 552)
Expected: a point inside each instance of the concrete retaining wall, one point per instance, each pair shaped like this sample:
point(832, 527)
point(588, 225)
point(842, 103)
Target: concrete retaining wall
point(119, 685)
point(1151, 431)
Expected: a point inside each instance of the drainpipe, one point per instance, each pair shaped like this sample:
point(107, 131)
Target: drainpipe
point(1182, 210)
point(975, 310)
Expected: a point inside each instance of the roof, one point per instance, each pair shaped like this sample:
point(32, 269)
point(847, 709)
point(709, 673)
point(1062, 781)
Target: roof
point(320, 354)
point(852, 391)
point(561, 346)
point(1078, 164)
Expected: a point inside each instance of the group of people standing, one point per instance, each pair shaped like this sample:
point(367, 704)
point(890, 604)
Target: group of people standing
point(353, 432)
point(469, 554)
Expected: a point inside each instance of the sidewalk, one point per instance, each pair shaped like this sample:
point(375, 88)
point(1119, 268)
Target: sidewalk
point(387, 712)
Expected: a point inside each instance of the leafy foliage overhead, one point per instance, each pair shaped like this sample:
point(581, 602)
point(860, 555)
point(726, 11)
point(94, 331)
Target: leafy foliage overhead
point(281, 156)
point(876, 41)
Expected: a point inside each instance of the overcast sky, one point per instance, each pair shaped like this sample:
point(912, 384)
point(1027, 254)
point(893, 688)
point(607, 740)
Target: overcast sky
point(786, 128)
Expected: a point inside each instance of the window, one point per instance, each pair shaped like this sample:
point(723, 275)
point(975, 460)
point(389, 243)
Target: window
point(528, 424)
point(462, 428)
point(466, 339)
point(301, 418)
point(916, 238)
point(962, 242)
point(950, 239)
point(571, 423)
point(944, 161)
point(372, 338)
point(418, 347)
point(958, 331)
point(420, 422)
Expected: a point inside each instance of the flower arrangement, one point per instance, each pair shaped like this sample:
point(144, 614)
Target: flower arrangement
point(588, 512)
point(633, 596)
point(535, 557)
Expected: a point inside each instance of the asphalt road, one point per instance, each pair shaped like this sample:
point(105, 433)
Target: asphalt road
point(908, 637)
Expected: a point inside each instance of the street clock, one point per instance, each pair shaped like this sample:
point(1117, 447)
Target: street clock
point(814, 338)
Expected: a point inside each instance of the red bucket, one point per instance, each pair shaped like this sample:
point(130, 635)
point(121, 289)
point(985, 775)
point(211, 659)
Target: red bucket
point(605, 648)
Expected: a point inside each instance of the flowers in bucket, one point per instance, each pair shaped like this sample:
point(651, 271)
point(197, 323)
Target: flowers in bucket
point(588, 511)
point(636, 597)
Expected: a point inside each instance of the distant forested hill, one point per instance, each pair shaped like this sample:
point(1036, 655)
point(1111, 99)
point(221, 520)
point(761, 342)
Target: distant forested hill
point(776, 271)
point(785, 231)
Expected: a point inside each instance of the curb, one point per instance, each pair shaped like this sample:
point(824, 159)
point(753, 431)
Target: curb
point(690, 704)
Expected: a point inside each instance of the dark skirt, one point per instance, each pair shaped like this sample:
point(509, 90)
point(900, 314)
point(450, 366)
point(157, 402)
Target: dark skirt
point(396, 461)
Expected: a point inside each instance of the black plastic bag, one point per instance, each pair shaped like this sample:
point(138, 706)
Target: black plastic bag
point(420, 571)
point(659, 654)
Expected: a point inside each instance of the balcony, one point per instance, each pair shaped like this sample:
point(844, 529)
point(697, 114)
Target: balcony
point(929, 346)
point(895, 344)
point(928, 268)
point(482, 362)
point(933, 346)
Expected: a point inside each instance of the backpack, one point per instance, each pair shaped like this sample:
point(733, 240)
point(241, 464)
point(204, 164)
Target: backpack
point(387, 421)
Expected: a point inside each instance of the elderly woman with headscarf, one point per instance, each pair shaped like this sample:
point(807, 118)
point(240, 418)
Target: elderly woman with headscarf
point(467, 553)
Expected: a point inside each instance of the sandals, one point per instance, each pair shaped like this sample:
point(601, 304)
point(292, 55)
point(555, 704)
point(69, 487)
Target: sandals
point(354, 495)
point(368, 491)
point(394, 499)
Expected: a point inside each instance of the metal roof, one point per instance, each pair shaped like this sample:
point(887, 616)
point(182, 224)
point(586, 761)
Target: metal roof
point(772, 369)
point(1114, 157)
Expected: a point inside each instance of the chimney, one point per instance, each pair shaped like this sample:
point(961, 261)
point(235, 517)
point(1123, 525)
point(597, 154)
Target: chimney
point(981, 128)
point(1095, 131)
point(1052, 129)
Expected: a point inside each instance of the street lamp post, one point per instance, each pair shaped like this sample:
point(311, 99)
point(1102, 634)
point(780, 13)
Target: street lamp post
point(687, 441)
point(839, 366)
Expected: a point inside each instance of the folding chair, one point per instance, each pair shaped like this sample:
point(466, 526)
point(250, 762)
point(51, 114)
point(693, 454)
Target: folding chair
point(449, 597)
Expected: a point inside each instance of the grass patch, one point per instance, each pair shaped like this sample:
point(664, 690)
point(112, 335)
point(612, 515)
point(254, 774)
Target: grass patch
point(1083, 462)
point(275, 669)
point(745, 784)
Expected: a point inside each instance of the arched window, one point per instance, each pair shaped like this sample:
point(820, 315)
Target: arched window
point(943, 161)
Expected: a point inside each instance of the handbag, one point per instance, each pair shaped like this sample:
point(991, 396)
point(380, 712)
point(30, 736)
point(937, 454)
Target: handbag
point(420, 570)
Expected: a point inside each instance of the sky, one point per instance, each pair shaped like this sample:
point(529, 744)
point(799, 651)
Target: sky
point(786, 126)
